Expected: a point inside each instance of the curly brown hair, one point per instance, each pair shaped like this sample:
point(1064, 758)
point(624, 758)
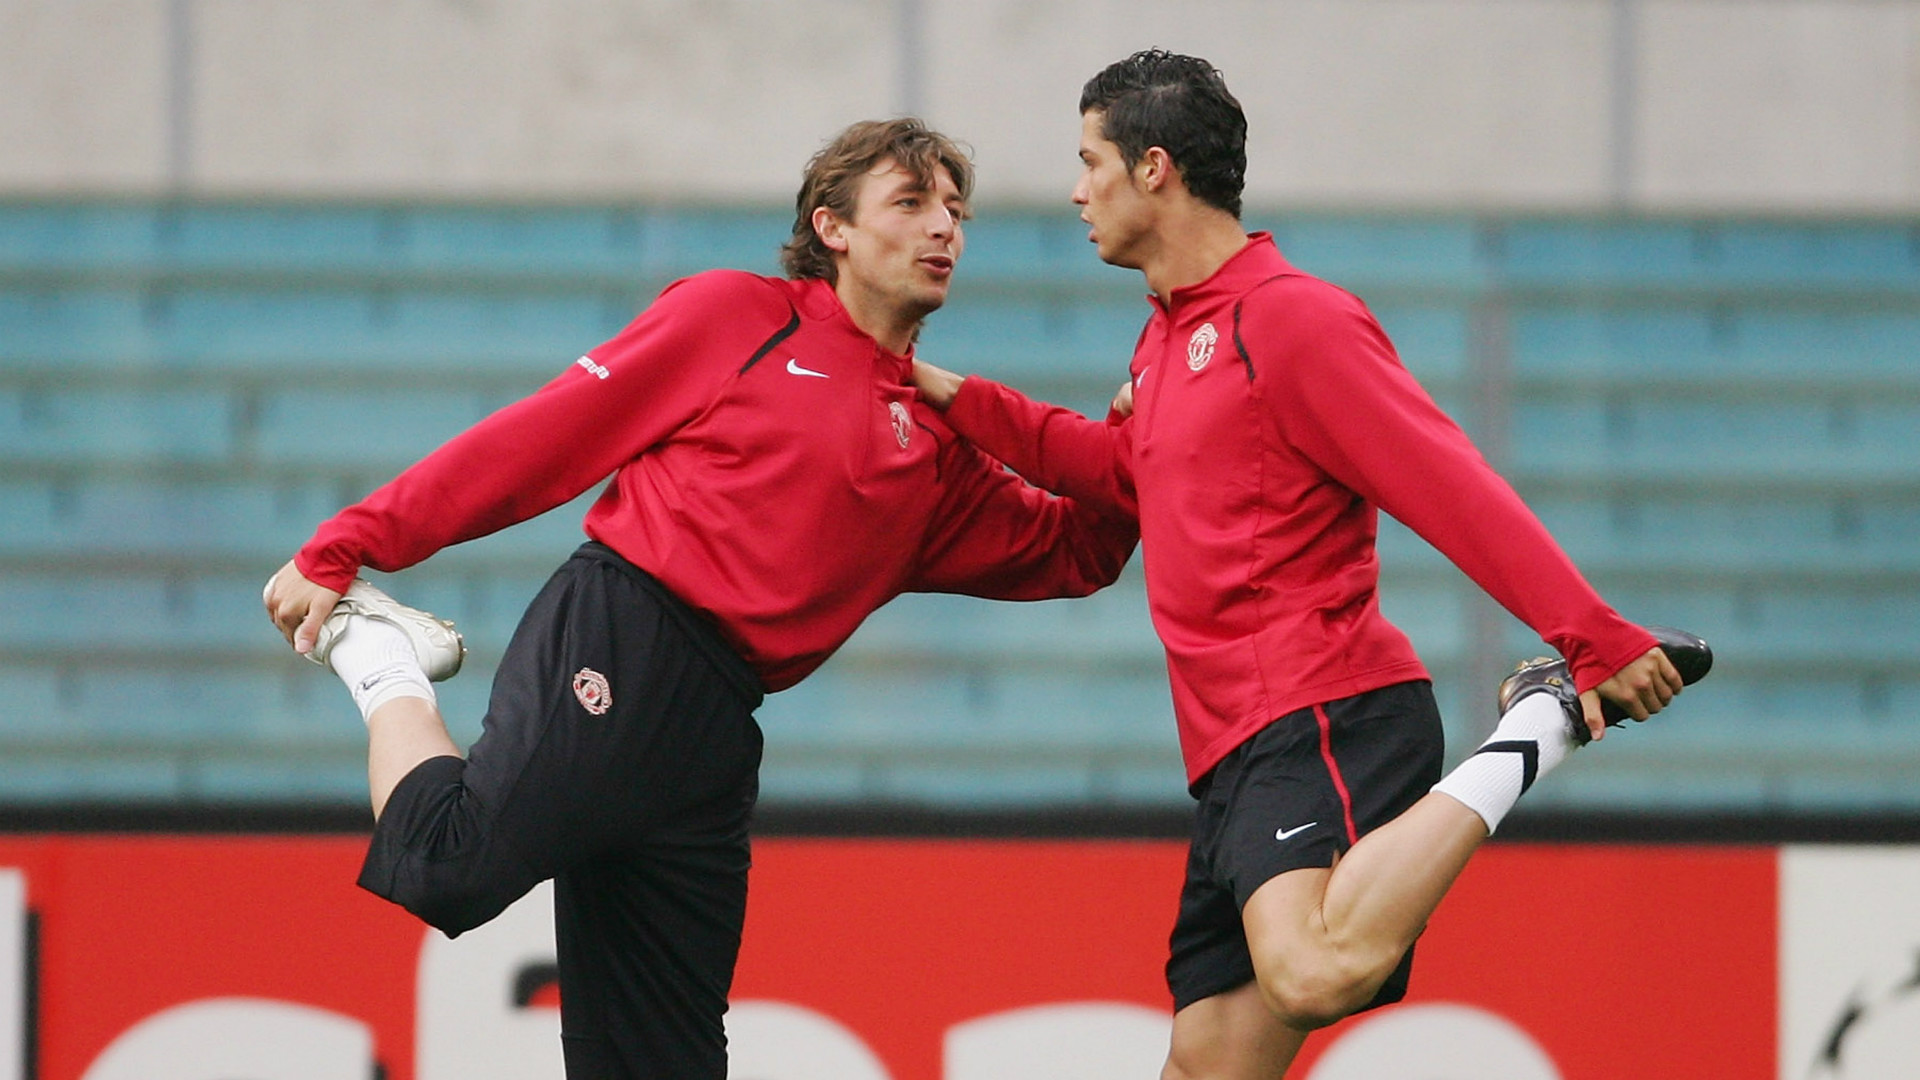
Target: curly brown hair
point(833, 177)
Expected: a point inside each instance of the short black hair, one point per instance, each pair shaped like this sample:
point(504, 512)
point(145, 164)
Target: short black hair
point(1180, 104)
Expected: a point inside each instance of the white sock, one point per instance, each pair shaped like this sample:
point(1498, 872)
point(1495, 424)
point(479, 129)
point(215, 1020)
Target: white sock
point(378, 664)
point(1530, 740)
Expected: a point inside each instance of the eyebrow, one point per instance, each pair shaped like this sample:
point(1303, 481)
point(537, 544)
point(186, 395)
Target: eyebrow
point(910, 184)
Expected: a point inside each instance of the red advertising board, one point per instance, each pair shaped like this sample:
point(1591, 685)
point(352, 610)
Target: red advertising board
point(920, 958)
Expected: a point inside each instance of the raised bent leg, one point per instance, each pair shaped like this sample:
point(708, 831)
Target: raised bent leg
point(1247, 968)
point(400, 735)
point(1324, 941)
point(613, 725)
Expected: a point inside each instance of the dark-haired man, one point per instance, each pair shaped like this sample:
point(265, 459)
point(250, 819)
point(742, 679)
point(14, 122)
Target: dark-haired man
point(775, 479)
point(1271, 421)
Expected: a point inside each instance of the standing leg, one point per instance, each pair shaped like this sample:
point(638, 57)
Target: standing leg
point(648, 939)
point(1231, 1036)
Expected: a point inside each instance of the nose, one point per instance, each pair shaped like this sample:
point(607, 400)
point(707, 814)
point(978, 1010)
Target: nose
point(1081, 191)
point(942, 222)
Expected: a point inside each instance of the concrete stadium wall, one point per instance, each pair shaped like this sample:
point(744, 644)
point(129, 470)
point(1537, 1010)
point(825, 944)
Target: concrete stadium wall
point(1771, 105)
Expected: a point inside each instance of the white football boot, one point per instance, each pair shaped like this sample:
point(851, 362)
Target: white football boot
point(436, 643)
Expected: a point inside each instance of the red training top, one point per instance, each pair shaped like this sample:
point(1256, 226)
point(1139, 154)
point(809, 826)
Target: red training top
point(1271, 418)
point(772, 465)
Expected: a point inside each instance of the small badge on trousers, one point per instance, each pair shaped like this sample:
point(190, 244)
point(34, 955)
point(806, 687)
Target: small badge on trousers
point(591, 688)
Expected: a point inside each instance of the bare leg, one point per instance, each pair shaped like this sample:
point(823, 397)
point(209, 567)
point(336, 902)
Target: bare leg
point(400, 735)
point(1231, 1036)
point(1323, 941)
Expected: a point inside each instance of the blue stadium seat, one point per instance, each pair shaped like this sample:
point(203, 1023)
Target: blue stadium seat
point(522, 240)
point(89, 613)
point(1802, 254)
point(305, 239)
point(169, 523)
point(1106, 625)
point(1433, 341)
point(43, 424)
point(1597, 252)
point(40, 236)
point(1725, 441)
point(1837, 346)
point(57, 329)
point(1361, 253)
point(682, 242)
point(1760, 535)
point(1046, 250)
point(362, 428)
point(99, 775)
point(1563, 340)
point(1026, 340)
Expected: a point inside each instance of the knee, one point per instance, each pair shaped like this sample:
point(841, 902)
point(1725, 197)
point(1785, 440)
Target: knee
point(432, 855)
point(454, 905)
point(1317, 992)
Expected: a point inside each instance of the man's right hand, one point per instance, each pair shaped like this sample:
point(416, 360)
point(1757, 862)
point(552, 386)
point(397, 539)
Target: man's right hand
point(1640, 689)
point(298, 606)
point(937, 385)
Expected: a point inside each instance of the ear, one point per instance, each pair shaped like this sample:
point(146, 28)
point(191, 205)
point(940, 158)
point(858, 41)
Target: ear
point(826, 225)
point(1155, 169)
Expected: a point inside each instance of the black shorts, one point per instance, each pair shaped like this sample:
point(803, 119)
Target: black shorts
point(1299, 792)
point(620, 758)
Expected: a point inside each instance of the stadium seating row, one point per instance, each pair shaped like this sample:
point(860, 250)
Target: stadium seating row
point(1718, 418)
point(1443, 249)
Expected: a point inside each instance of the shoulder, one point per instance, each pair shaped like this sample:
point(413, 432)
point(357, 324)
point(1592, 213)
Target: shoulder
point(727, 292)
point(1303, 331)
point(1299, 312)
point(1300, 297)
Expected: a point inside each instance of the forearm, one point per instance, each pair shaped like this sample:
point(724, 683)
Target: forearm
point(516, 464)
point(1499, 543)
point(1055, 449)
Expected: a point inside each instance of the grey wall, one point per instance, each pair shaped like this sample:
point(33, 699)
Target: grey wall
point(1811, 105)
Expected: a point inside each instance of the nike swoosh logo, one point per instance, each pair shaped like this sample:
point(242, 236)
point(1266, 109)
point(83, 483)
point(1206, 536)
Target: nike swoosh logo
point(1282, 834)
point(794, 368)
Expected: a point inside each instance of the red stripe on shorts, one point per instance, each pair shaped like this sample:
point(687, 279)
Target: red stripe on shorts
point(1333, 771)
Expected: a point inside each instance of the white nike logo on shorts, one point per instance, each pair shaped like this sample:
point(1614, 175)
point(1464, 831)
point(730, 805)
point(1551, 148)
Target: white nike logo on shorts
point(794, 368)
point(1282, 834)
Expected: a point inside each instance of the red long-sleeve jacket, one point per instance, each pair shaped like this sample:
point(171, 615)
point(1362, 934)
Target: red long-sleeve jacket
point(772, 465)
point(1272, 421)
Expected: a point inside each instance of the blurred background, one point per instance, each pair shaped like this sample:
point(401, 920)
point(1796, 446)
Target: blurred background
point(1660, 257)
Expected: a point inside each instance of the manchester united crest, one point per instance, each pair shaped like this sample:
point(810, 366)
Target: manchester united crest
point(591, 688)
point(1200, 346)
point(902, 423)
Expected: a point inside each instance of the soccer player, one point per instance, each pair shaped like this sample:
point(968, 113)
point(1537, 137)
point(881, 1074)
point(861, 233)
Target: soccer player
point(775, 479)
point(1270, 422)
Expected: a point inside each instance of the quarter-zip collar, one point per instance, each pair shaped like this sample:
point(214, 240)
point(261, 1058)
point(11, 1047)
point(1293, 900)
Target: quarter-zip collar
point(1259, 260)
point(817, 300)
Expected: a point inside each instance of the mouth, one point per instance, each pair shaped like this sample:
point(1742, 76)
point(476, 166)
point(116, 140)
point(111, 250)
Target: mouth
point(938, 265)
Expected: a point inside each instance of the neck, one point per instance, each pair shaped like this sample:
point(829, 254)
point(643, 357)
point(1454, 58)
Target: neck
point(1192, 243)
point(886, 323)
